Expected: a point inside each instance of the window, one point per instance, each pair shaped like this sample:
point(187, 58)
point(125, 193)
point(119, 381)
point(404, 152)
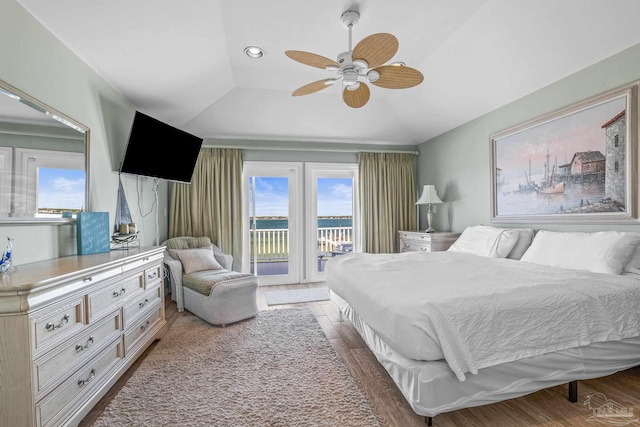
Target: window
point(617, 166)
point(49, 182)
point(615, 140)
point(60, 190)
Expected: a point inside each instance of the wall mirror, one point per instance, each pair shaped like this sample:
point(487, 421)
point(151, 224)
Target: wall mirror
point(44, 162)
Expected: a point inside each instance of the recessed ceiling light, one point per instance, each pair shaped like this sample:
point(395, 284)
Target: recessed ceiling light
point(254, 52)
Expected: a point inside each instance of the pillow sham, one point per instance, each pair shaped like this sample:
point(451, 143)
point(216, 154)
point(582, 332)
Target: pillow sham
point(633, 266)
point(599, 252)
point(525, 237)
point(195, 259)
point(486, 241)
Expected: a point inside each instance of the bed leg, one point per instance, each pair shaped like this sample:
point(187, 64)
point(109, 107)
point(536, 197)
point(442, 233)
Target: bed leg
point(429, 421)
point(573, 391)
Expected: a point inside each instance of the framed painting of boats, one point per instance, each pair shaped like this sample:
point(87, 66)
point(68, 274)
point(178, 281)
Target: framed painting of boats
point(578, 164)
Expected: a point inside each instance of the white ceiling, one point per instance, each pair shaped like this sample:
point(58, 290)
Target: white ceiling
point(183, 62)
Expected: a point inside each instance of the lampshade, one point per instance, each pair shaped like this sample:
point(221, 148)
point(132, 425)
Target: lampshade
point(429, 196)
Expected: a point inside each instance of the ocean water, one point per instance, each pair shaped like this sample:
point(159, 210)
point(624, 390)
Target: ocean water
point(575, 195)
point(279, 224)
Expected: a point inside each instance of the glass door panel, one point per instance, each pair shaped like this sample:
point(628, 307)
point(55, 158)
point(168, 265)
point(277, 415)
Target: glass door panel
point(269, 225)
point(332, 222)
point(334, 218)
point(271, 238)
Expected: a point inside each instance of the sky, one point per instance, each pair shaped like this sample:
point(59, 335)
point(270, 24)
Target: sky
point(61, 188)
point(334, 196)
point(581, 131)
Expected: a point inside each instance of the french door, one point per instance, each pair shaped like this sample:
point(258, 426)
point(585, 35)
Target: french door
point(272, 221)
point(332, 223)
point(291, 228)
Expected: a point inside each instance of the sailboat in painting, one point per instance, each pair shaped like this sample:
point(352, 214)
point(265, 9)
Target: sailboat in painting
point(553, 189)
point(548, 184)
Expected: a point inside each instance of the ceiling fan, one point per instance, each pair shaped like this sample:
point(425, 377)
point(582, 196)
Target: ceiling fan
point(358, 66)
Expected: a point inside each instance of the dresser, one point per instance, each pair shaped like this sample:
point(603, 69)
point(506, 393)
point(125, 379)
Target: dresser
point(411, 241)
point(70, 327)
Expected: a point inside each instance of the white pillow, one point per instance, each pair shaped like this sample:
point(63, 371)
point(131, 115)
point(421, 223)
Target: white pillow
point(486, 241)
point(525, 237)
point(633, 266)
point(195, 259)
point(600, 252)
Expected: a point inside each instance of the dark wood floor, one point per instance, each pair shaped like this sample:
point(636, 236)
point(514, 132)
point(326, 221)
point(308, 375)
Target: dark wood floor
point(548, 407)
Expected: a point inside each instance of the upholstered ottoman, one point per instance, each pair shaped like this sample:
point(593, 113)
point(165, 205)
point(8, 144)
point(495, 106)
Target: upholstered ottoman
point(221, 296)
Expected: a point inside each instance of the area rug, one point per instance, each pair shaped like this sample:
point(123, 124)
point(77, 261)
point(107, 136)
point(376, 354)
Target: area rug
point(277, 369)
point(292, 296)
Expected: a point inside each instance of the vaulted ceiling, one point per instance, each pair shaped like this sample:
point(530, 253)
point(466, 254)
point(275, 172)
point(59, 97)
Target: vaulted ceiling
point(183, 62)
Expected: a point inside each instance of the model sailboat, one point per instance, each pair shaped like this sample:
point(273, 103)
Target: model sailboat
point(123, 214)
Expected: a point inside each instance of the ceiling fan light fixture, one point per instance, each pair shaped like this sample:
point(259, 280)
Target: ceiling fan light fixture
point(354, 86)
point(398, 64)
point(361, 63)
point(350, 77)
point(254, 52)
point(372, 76)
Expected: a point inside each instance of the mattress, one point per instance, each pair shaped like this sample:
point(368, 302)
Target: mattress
point(476, 312)
point(431, 388)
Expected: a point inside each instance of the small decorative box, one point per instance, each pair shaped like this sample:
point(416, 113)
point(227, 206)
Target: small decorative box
point(93, 232)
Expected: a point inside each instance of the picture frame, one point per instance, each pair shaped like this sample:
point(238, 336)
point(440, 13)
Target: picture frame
point(575, 165)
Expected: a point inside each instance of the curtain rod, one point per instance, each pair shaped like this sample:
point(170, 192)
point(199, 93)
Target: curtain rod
point(322, 149)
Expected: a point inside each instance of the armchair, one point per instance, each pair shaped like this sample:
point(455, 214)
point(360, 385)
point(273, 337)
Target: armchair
point(202, 281)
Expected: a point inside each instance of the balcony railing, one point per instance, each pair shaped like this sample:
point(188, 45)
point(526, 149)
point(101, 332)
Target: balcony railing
point(273, 244)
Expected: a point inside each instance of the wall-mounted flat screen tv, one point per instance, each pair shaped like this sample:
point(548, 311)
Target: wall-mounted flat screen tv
point(158, 150)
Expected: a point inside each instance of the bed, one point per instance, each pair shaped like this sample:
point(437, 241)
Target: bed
point(474, 325)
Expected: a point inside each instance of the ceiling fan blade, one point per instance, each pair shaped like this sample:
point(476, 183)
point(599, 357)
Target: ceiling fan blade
point(376, 49)
point(356, 98)
point(397, 77)
point(313, 87)
point(312, 59)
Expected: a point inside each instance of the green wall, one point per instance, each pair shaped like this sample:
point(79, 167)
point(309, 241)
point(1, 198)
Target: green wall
point(37, 63)
point(458, 162)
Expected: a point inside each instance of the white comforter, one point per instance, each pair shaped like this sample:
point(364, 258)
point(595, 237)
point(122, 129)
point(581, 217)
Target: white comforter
point(480, 311)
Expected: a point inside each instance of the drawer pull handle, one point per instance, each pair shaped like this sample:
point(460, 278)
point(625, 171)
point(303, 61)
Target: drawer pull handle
point(92, 375)
point(80, 347)
point(145, 259)
point(51, 327)
point(152, 275)
point(424, 249)
point(406, 245)
point(119, 293)
point(143, 303)
point(145, 326)
point(87, 279)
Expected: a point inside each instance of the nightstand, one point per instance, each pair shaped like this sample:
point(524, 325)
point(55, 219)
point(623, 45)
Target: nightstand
point(411, 241)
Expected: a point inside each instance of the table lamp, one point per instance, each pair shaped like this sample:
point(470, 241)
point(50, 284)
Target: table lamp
point(429, 197)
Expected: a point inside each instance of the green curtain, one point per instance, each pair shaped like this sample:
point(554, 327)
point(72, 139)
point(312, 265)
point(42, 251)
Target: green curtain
point(387, 199)
point(212, 204)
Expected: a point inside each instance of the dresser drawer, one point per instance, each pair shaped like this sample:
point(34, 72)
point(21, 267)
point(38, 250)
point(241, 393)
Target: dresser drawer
point(103, 299)
point(56, 403)
point(52, 325)
point(145, 262)
point(55, 364)
point(404, 235)
point(411, 246)
point(152, 275)
point(141, 304)
point(139, 329)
